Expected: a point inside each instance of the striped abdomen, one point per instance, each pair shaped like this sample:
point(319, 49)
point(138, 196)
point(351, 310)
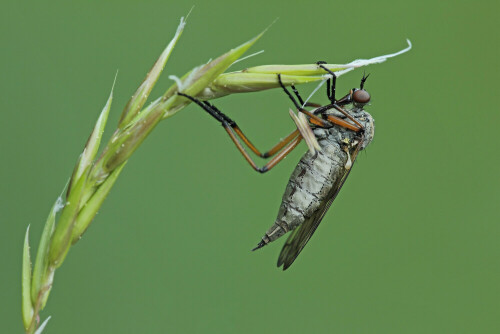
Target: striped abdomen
point(308, 187)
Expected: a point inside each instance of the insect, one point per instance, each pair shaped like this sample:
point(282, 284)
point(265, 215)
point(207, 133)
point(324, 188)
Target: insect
point(342, 129)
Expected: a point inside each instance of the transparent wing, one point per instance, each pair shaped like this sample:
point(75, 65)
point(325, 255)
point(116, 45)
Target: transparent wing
point(301, 235)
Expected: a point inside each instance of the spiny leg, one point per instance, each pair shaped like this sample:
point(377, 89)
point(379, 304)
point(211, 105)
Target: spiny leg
point(288, 93)
point(275, 149)
point(221, 117)
point(327, 81)
point(346, 114)
point(208, 109)
point(302, 103)
point(318, 121)
point(332, 81)
point(296, 92)
point(344, 123)
point(334, 119)
point(287, 145)
point(274, 161)
point(345, 100)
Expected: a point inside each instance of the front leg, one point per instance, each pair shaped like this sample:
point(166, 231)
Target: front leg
point(313, 118)
point(331, 82)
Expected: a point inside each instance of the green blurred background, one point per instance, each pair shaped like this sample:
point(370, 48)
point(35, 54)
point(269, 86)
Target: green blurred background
point(410, 245)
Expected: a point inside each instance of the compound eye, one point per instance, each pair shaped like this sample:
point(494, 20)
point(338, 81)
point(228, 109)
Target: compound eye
point(361, 96)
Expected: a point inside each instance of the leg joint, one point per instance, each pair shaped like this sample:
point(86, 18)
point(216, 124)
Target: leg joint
point(263, 169)
point(265, 155)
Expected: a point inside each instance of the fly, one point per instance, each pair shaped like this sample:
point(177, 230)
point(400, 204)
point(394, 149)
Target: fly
point(342, 129)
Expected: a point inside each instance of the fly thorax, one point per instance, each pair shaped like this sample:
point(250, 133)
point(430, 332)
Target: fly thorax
point(343, 135)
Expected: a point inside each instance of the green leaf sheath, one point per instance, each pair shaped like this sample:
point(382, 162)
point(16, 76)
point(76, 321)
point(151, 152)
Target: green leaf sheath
point(42, 276)
point(61, 239)
point(26, 304)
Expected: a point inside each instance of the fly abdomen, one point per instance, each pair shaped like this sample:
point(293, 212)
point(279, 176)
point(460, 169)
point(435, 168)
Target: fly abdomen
point(309, 185)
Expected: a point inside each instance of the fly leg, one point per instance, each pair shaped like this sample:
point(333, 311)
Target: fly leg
point(331, 92)
point(284, 147)
point(331, 95)
point(275, 149)
point(337, 104)
point(313, 118)
point(359, 126)
point(221, 117)
point(343, 123)
point(330, 82)
point(297, 94)
point(298, 106)
point(334, 119)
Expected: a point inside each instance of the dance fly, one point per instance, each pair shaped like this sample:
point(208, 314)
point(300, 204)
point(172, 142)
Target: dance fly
point(342, 129)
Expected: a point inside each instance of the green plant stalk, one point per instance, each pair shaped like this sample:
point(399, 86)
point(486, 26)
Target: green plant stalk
point(93, 178)
point(27, 309)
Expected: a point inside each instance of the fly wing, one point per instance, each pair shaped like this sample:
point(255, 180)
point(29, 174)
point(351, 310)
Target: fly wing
point(301, 235)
